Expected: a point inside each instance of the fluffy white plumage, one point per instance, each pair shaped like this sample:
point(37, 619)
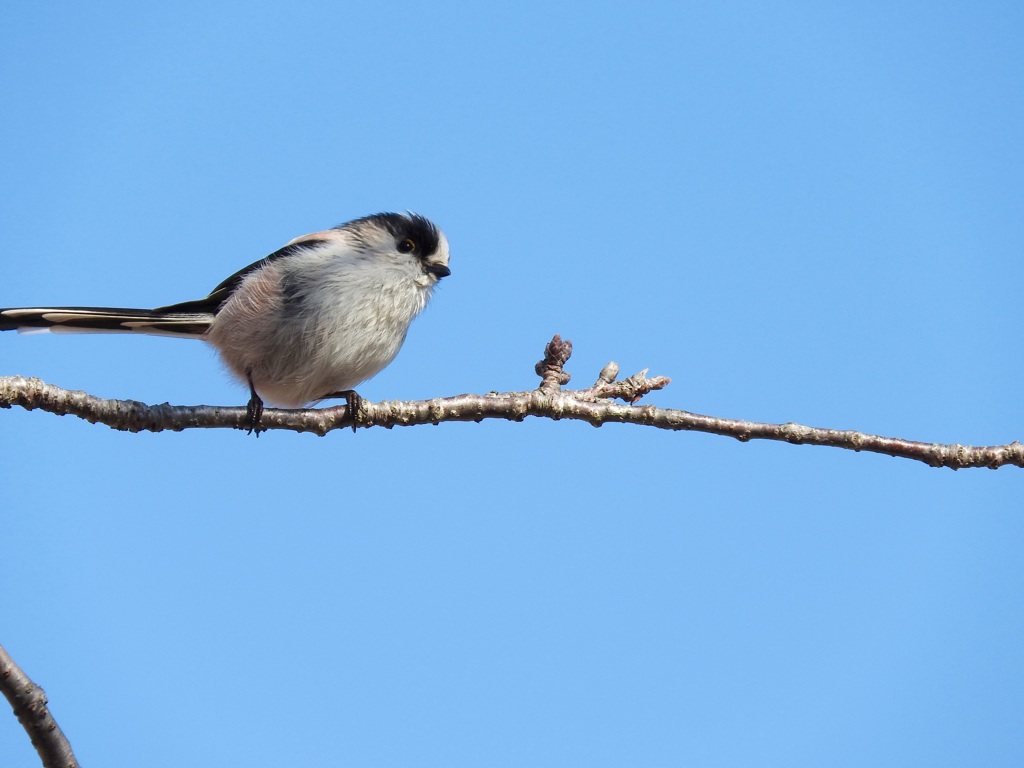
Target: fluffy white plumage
point(314, 319)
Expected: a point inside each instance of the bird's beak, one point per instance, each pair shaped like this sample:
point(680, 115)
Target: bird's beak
point(441, 270)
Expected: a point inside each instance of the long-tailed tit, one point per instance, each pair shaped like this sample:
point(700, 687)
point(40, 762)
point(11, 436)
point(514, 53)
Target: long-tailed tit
point(310, 321)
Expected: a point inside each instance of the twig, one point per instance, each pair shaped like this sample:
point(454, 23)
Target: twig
point(595, 405)
point(29, 703)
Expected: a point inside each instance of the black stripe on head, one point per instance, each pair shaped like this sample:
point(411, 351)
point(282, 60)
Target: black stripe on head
point(402, 226)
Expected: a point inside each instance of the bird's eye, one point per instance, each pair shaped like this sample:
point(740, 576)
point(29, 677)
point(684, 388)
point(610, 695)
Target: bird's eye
point(406, 246)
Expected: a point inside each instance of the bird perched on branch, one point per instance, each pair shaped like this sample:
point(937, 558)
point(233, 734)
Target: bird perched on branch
point(310, 321)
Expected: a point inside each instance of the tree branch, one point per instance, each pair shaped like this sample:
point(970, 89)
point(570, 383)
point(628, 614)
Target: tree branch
point(29, 703)
point(595, 405)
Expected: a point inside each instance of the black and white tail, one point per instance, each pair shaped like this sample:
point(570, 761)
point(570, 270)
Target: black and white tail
point(156, 322)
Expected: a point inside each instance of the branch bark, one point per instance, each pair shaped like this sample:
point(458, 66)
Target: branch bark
point(29, 703)
point(595, 405)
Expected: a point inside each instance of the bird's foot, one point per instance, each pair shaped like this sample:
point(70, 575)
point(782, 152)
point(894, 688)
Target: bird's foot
point(353, 404)
point(253, 411)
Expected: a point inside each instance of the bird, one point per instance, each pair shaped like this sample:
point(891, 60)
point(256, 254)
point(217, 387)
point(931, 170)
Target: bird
point(309, 322)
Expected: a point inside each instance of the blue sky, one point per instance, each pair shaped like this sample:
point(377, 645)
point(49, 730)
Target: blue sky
point(798, 211)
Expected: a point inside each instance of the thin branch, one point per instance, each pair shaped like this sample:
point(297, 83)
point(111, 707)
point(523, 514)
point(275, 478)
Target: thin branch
point(29, 703)
point(595, 405)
